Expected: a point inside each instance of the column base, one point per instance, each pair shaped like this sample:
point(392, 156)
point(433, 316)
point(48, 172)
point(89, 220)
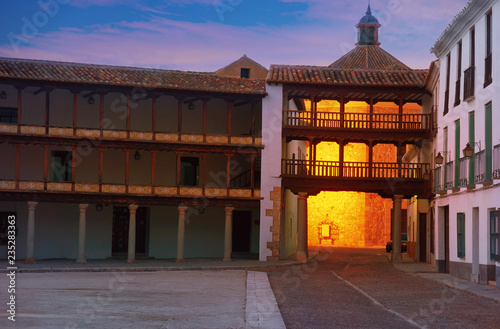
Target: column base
point(301, 257)
point(227, 260)
point(397, 259)
point(131, 261)
point(81, 261)
point(30, 260)
point(179, 260)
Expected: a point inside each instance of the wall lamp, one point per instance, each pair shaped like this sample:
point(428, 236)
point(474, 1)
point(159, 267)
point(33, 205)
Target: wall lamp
point(439, 159)
point(137, 155)
point(469, 151)
point(91, 100)
point(3, 94)
point(191, 106)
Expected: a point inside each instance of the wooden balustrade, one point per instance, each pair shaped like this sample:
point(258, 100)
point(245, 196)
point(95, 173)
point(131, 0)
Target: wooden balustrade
point(379, 121)
point(333, 169)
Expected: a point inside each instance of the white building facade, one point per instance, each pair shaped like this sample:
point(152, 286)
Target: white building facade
point(467, 186)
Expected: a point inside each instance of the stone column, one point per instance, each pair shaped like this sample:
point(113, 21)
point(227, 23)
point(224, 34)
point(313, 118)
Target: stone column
point(228, 235)
point(302, 228)
point(131, 234)
point(30, 244)
point(180, 233)
point(81, 234)
point(396, 231)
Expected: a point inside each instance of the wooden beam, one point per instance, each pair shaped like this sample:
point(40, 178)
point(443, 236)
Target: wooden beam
point(19, 109)
point(229, 111)
point(75, 112)
point(153, 123)
point(153, 167)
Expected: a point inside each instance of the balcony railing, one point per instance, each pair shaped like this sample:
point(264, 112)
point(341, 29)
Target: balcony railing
point(464, 172)
point(480, 167)
point(438, 181)
point(382, 121)
point(334, 169)
point(145, 136)
point(449, 176)
point(469, 83)
point(488, 78)
point(496, 162)
point(120, 189)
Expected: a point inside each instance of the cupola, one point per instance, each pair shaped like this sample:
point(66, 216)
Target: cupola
point(368, 29)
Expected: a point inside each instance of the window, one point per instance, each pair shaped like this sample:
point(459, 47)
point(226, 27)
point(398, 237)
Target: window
point(461, 235)
point(472, 136)
point(457, 153)
point(489, 46)
point(4, 224)
point(495, 236)
point(470, 73)
point(61, 166)
point(8, 114)
point(459, 74)
point(245, 73)
point(489, 142)
point(447, 92)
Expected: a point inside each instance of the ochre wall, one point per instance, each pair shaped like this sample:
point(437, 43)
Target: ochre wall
point(363, 219)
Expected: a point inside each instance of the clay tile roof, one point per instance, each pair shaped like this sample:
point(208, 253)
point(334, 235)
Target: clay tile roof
point(323, 75)
point(76, 73)
point(369, 58)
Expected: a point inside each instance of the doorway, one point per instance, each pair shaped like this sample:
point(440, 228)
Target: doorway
point(447, 238)
point(119, 241)
point(242, 233)
point(422, 237)
point(190, 171)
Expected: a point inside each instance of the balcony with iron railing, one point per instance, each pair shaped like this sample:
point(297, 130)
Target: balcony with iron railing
point(496, 162)
point(480, 167)
point(449, 175)
point(438, 181)
point(464, 172)
point(469, 83)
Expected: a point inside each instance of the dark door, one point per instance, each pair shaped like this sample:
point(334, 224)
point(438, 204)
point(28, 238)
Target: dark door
point(447, 238)
point(121, 216)
point(422, 237)
point(190, 171)
point(242, 227)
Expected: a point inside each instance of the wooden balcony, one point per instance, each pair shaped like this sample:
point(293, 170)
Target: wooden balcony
point(386, 179)
point(357, 126)
point(49, 191)
point(119, 138)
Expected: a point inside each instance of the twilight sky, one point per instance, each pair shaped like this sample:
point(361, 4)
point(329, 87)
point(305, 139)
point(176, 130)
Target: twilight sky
point(205, 35)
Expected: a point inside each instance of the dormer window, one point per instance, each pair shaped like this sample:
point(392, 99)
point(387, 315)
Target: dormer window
point(245, 73)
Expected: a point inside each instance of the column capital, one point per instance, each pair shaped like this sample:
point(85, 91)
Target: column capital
point(229, 210)
point(83, 207)
point(303, 196)
point(182, 209)
point(133, 208)
point(32, 205)
point(398, 197)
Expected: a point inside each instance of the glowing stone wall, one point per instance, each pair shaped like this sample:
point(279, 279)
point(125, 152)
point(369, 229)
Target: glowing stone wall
point(362, 219)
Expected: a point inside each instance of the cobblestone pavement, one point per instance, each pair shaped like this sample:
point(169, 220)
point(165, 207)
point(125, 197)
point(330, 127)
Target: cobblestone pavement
point(359, 288)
